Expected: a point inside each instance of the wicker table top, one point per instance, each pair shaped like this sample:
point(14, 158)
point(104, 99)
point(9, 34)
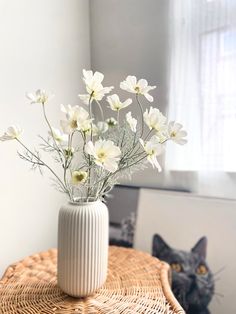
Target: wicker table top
point(136, 283)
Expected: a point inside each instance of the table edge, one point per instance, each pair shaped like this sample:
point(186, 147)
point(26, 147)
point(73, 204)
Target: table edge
point(166, 286)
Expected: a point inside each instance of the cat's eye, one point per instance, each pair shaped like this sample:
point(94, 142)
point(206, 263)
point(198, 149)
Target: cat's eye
point(176, 267)
point(202, 270)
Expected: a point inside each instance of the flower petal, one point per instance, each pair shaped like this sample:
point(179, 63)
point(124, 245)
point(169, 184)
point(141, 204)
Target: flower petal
point(90, 149)
point(148, 97)
point(142, 83)
point(98, 76)
point(126, 103)
point(110, 164)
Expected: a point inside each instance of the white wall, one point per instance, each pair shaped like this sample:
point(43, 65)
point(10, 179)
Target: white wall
point(44, 44)
point(126, 37)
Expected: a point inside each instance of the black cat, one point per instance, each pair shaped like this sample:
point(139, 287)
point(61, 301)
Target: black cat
point(192, 280)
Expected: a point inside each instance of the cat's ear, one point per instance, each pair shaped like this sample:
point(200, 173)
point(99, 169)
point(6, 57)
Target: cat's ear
point(201, 247)
point(158, 245)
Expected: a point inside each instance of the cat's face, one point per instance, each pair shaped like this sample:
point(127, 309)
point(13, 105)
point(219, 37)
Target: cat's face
point(192, 280)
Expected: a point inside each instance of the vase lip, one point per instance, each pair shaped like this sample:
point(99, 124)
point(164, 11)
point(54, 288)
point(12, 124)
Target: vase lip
point(84, 201)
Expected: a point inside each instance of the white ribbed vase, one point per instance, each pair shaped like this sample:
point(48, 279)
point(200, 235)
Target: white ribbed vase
point(82, 247)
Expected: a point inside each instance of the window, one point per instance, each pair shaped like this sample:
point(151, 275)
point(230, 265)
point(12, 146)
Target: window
point(202, 89)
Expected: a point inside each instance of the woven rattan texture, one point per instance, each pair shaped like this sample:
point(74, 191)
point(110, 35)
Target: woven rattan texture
point(136, 283)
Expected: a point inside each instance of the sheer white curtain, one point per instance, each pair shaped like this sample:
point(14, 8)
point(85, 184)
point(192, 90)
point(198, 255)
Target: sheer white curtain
point(202, 84)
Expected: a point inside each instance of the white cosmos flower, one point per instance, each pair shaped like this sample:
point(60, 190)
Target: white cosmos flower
point(176, 133)
point(116, 104)
point(78, 177)
point(137, 87)
point(153, 149)
point(58, 135)
point(12, 133)
point(94, 87)
point(131, 121)
point(77, 118)
point(39, 97)
point(105, 154)
point(154, 119)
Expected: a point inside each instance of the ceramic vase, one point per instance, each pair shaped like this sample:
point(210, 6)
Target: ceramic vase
point(82, 247)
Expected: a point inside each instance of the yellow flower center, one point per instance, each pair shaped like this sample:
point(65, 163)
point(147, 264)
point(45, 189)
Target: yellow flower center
point(102, 156)
point(173, 134)
point(73, 124)
point(151, 152)
point(42, 99)
point(79, 177)
point(137, 89)
point(93, 95)
point(117, 106)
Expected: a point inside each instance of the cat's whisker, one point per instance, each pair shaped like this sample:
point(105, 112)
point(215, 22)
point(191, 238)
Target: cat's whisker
point(218, 294)
point(219, 271)
point(204, 282)
point(218, 300)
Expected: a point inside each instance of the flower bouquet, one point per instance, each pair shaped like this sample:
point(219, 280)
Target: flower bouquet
point(105, 149)
point(94, 152)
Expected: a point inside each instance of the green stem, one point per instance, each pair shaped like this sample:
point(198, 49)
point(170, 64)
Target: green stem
point(141, 109)
point(118, 117)
point(65, 168)
point(45, 165)
point(91, 116)
point(148, 135)
point(164, 141)
point(134, 144)
point(122, 140)
point(50, 128)
point(101, 111)
point(91, 137)
point(66, 165)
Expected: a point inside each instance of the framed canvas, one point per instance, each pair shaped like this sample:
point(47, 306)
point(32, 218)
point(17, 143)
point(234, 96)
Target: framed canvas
point(122, 204)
